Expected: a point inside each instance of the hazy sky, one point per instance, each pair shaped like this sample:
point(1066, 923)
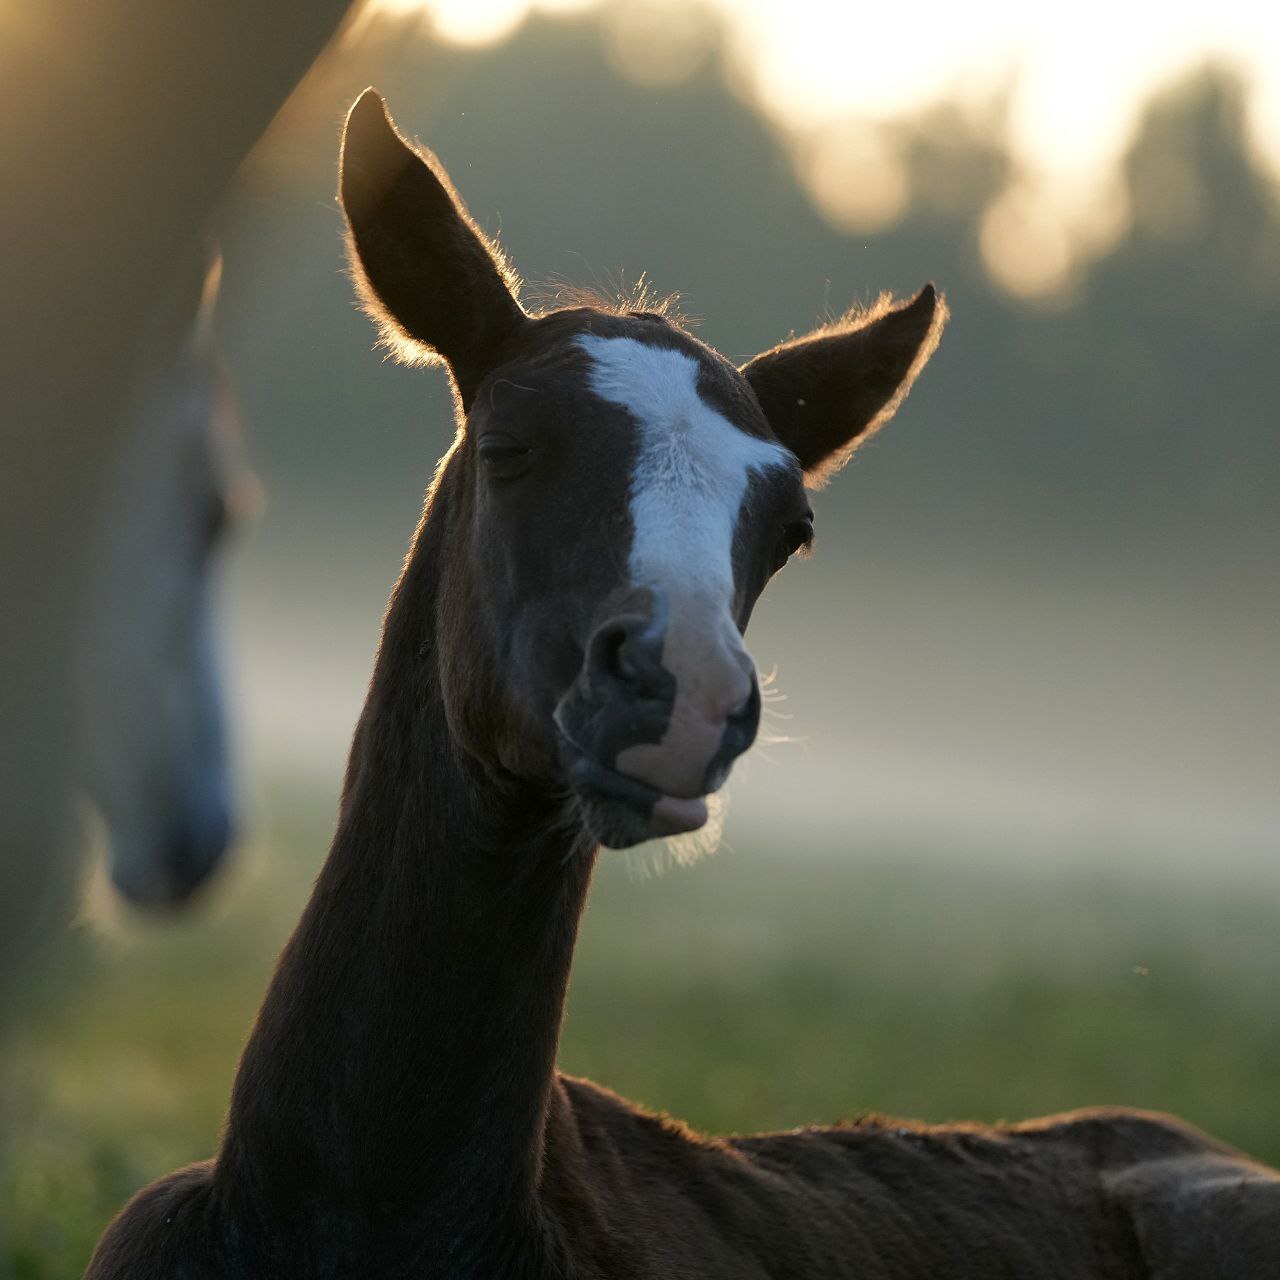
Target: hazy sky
point(831, 73)
point(1077, 85)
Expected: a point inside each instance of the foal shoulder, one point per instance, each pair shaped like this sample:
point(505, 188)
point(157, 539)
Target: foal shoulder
point(163, 1233)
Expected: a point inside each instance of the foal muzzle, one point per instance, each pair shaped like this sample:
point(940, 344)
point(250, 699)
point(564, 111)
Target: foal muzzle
point(665, 701)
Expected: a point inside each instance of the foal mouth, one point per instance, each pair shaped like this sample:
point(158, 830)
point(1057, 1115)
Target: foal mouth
point(621, 810)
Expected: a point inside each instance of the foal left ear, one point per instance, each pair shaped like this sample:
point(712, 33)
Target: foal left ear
point(825, 393)
point(428, 276)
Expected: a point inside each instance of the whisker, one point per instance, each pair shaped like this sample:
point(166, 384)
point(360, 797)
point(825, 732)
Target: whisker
point(686, 849)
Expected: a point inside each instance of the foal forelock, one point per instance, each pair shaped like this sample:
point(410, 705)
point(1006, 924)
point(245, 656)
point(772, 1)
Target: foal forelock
point(691, 471)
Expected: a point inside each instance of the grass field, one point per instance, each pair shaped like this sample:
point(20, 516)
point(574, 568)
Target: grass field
point(754, 990)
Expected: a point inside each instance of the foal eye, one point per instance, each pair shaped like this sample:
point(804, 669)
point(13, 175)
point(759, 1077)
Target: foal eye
point(798, 534)
point(795, 536)
point(504, 458)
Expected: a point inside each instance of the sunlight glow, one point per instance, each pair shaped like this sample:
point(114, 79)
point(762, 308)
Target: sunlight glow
point(1075, 91)
point(658, 42)
point(477, 21)
point(854, 174)
point(469, 22)
point(830, 75)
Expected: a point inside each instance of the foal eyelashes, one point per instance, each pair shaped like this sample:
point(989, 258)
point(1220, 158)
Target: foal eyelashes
point(797, 536)
point(504, 458)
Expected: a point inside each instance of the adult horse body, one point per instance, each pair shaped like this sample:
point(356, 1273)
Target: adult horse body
point(562, 666)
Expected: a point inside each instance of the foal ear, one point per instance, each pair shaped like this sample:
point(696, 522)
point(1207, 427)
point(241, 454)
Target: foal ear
point(827, 392)
point(425, 272)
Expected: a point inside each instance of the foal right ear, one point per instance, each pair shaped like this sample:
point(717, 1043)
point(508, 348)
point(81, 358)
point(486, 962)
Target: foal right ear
point(425, 272)
point(824, 394)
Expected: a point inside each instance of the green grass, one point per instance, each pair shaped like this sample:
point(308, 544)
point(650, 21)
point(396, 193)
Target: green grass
point(751, 991)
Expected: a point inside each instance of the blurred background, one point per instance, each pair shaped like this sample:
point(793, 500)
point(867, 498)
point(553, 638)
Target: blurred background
point(1019, 848)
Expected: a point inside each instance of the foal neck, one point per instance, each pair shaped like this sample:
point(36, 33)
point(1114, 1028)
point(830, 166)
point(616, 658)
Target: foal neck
point(399, 1072)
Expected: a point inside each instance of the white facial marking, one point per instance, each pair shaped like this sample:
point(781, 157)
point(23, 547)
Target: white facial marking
point(691, 468)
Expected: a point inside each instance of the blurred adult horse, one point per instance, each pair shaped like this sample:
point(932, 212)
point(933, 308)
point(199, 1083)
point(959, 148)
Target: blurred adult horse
point(120, 126)
point(153, 748)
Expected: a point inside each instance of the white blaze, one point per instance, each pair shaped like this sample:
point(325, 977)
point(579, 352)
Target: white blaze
point(691, 470)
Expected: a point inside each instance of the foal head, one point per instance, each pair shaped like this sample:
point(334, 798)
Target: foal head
point(617, 497)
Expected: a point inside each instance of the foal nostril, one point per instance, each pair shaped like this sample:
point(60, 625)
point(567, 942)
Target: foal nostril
point(741, 724)
point(627, 653)
point(628, 663)
point(744, 718)
point(739, 733)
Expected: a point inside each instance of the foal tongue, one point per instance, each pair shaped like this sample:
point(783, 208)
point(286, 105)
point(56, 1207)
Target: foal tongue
point(674, 814)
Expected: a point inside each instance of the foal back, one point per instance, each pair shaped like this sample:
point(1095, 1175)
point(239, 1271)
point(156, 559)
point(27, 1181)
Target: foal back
point(1100, 1194)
